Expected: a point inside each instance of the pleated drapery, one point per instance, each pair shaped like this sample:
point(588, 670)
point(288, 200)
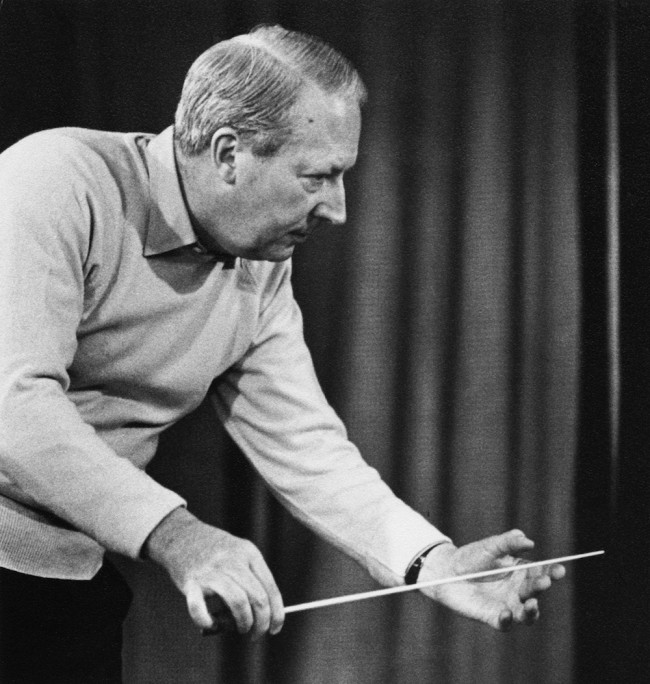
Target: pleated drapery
point(456, 368)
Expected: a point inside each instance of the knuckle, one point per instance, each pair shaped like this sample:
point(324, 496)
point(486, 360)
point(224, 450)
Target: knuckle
point(239, 604)
point(250, 549)
point(260, 603)
point(244, 622)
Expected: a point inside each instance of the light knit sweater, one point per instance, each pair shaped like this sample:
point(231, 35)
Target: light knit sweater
point(113, 325)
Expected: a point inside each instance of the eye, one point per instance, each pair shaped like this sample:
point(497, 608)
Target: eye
point(315, 181)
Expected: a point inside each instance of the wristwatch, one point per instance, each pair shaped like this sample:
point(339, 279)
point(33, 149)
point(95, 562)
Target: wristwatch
point(413, 571)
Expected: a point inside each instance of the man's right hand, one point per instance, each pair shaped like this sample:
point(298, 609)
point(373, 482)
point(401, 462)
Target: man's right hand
point(203, 560)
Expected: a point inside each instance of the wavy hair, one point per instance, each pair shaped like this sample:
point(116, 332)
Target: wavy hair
point(251, 82)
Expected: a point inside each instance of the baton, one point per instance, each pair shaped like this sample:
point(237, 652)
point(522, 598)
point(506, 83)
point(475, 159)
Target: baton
point(224, 621)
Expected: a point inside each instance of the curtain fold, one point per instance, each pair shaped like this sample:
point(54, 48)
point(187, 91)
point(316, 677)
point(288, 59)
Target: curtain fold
point(462, 287)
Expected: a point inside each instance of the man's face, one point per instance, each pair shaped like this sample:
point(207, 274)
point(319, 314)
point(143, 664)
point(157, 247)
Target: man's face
point(279, 200)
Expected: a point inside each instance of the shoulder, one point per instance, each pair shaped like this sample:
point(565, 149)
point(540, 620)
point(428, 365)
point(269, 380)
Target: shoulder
point(65, 162)
point(70, 149)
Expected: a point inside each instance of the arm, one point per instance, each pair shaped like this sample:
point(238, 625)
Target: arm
point(57, 197)
point(48, 455)
point(273, 406)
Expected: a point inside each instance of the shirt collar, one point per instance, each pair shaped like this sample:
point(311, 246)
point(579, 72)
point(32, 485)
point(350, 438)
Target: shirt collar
point(169, 224)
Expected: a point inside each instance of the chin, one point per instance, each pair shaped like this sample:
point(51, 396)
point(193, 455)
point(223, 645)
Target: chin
point(276, 255)
point(280, 257)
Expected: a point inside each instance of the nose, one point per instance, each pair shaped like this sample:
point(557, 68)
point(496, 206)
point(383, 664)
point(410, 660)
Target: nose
point(331, 204)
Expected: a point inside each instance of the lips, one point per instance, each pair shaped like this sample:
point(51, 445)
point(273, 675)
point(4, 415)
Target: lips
point(300, 234)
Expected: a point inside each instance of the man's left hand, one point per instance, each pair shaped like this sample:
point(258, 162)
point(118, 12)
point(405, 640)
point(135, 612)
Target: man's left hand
point(499, 600)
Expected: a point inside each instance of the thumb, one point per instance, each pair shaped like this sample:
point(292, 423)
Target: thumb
point(508, 543)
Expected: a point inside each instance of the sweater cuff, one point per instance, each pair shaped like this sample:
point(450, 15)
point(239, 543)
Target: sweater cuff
point(401, 542)
point(126, 525)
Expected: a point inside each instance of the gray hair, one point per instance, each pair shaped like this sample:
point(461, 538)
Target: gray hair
point(251, 83)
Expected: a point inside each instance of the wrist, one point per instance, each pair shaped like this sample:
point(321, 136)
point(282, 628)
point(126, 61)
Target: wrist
point(162, 538)
point(441, 562)
point(415, 566)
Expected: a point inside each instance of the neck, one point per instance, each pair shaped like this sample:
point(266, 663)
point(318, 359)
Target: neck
point(193, 178)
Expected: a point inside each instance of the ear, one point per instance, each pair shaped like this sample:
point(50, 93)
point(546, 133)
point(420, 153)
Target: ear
point(223, 148)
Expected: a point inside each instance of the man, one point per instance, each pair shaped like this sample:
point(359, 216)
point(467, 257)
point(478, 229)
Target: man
point(136, 270)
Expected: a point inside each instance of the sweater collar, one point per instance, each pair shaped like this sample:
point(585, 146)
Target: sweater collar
point(169, 224)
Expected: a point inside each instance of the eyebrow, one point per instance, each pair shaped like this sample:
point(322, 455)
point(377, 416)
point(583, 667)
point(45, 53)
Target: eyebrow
point(333, 170)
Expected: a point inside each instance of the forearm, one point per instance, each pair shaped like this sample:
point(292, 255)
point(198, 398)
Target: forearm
point(53, 458)
point(47, 452)
point(320, 477)
point(272, 405)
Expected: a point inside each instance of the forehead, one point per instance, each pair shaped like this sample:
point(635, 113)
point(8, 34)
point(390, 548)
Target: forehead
point(326, 129)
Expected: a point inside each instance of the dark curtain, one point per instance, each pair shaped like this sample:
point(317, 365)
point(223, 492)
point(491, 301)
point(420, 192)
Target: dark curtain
point(444, 319)
point(612, 503)
point(629, 651)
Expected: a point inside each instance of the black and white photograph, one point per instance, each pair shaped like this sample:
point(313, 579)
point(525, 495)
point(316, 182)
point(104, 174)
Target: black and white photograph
point(324, 355)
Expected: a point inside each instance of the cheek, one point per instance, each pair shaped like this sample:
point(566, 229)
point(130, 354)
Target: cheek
point(290, 204)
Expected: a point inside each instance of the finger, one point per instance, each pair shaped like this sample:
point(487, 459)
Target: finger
point(222, 618)
point(501, 546)
point(554, 571)
point(233, 597)
point(505, 620)
point(197, 607)
point(236, 600)
point(534, 586)
point(531, 611)
point(260, 605)
point(276, 605)
point(539, 580)
point(514, 542)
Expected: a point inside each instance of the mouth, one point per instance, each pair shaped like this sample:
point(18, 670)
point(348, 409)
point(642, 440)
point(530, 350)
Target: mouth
point(300, 234)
